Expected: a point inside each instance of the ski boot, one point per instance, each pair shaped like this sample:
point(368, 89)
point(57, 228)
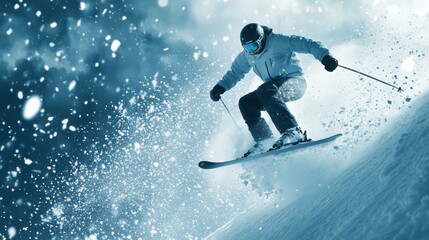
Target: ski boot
point(291, 136)
point(258, 148)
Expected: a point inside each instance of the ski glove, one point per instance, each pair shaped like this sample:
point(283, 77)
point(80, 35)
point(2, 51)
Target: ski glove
point(330, 63)
point(216, 92)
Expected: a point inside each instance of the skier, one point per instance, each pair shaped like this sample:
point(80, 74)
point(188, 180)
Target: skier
point(273, 58)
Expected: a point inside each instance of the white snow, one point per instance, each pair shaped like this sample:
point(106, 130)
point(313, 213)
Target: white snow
point(384, 196)
point(9, 31)
point(158, 188)
point(197, 55)
point(53, 25)
point(11, 232)
point(28, 161)
point(163, 3)
point(115, 45)
point(82, 6)
point(32, 107)
point(65, 122)
point(91, 237)
point(72, 85)
point(408, 65)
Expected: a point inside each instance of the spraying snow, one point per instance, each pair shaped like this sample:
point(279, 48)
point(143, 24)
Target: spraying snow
point(126, 115)
point(385, 195)
point(31, 107)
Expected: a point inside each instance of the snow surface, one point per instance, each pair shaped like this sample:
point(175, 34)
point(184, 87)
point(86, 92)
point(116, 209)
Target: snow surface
point(385, 195)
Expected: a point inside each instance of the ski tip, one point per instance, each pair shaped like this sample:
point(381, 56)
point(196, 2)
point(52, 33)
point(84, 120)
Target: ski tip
point(202, 164)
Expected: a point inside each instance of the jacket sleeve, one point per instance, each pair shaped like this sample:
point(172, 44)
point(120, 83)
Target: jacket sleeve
point(305, 45)
point(240, 66)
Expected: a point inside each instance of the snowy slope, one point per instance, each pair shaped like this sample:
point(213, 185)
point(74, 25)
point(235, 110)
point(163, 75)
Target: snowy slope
point(385, 195)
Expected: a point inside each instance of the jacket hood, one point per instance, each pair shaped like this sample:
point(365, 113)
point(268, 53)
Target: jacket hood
point(267, 30)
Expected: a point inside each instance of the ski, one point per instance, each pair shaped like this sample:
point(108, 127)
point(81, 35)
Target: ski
point(269, 153)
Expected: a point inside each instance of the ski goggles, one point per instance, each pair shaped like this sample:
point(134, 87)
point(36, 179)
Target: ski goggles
point(253, 46)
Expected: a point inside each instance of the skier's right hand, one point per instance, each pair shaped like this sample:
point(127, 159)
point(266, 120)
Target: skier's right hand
point(216, 92)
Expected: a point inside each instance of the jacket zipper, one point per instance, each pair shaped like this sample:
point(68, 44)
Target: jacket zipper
point(258, 70)
point(269, 75)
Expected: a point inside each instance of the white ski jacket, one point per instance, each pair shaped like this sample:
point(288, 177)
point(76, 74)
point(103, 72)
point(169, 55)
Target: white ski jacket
point(277, 60)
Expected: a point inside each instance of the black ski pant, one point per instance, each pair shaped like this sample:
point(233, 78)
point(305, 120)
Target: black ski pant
point(271, 97)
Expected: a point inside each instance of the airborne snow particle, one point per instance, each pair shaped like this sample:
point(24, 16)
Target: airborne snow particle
point(72, 85)
point(197, 55)
point(27, 161)
point(64, 122)
point(72, 128)
point(82, 6)
point(53, 25)
point(38, 13)
point(16, 6)
point(20, 95)
point(115, 45)
point(32, 107)
point(9, 31)
point(12, 232)
point(163, 3)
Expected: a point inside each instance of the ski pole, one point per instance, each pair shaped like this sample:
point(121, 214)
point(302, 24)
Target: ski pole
point(366, 75)
point(229, 113)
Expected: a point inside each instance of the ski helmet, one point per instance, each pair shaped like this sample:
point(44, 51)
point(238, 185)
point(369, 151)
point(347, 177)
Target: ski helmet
point(251, 37)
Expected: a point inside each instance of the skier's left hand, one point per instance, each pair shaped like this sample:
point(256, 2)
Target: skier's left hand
point(330, 63)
